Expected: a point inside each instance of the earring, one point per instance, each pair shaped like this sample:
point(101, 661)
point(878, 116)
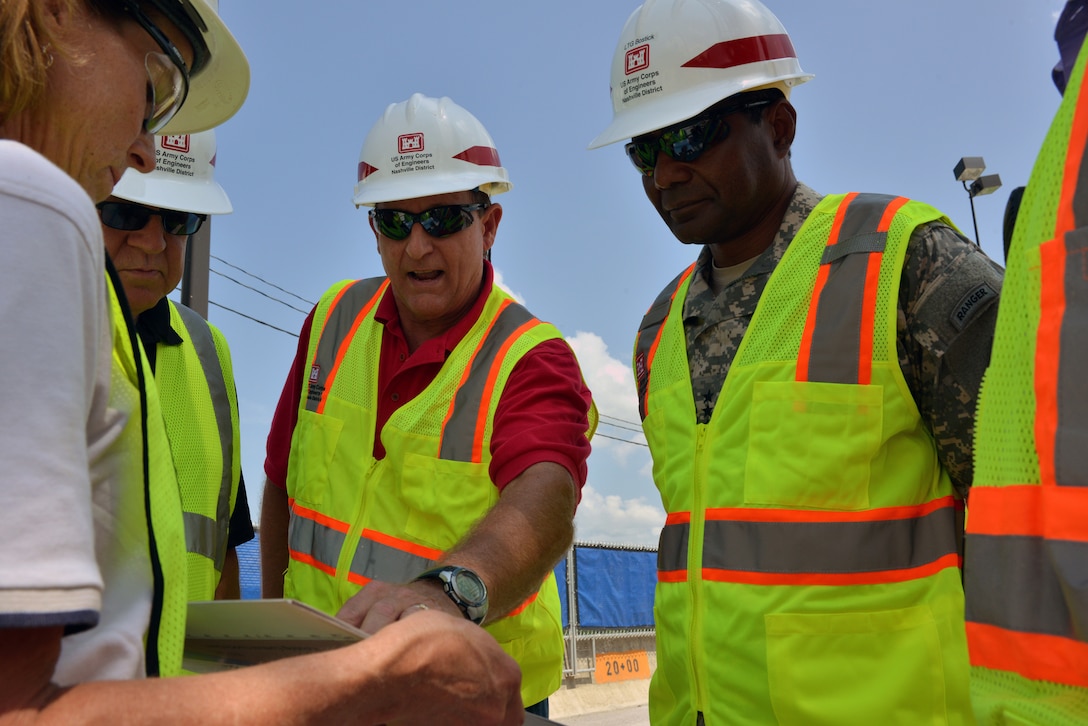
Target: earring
point(48, 56)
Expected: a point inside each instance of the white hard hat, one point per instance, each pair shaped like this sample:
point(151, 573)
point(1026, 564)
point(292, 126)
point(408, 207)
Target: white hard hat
point(219, 78)
point(183, 179)
point(426, 146)
point(676, 58)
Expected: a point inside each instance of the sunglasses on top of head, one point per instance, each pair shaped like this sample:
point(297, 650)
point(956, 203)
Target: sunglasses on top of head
point(687, 140)
point(129, 217)
point(437, 221)
point(167, 73)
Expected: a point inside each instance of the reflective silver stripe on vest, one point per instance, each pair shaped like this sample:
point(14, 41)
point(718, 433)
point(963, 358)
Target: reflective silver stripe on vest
point(1071, 438)
point(318, 541)
point(1003, 566)
point(338, 326)
point(672, 547)
point(829, 547)
point(377, 561)
point(459, 432)
point(836, 340)
point(1071, 441)
point(647, 334)
point(202, 535)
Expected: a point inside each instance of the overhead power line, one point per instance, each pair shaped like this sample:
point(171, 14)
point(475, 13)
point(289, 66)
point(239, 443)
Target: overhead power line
point(627, 425)
point(311, 303)
point(259, 292)
point(250, 317)
point(625, 441)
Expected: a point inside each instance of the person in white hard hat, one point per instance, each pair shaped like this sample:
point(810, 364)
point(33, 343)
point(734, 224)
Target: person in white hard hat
point(807, 389)
point(86, 606)
point(430, 443)
point(146, 224)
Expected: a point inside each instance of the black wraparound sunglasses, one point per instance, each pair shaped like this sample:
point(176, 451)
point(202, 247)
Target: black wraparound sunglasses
point(436, 221)
point(130, 217)
point(687, 140)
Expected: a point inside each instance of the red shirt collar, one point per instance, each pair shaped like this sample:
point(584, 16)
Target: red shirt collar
point(388, 315)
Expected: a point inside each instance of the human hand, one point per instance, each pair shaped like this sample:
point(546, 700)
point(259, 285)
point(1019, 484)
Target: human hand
point(444, 669)
point(381, 603)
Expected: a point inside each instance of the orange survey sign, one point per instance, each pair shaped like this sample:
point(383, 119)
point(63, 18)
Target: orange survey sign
point(622, 667)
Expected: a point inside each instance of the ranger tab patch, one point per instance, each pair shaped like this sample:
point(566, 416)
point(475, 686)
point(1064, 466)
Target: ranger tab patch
point(974, 302)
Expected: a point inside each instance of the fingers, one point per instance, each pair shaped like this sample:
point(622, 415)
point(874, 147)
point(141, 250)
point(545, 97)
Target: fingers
point(418, 607)
point(356, 608)
point(379, 604)
point(392, 608)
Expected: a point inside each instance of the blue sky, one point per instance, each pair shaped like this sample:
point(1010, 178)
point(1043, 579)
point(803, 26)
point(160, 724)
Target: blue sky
point(901, 92)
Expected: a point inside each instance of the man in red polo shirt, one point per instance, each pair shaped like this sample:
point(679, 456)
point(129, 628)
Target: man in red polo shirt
point(447, 475)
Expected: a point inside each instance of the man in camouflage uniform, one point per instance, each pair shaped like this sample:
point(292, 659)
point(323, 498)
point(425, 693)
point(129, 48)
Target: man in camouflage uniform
point(807, 389)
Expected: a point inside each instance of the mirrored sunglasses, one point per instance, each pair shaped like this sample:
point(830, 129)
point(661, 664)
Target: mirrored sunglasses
point(687, 141)
point(130, 217)
point(436, 221)
point(166, 71)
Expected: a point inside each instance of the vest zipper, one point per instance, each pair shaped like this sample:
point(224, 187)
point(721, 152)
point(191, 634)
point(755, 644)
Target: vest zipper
point(695, 567)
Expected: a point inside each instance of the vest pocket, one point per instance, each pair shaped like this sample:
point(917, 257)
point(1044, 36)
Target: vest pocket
point(312, 450)
point(443, 499)
point(882, 667)
point(812, 444)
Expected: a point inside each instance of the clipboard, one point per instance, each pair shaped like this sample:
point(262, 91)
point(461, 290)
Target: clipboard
point(228, 634)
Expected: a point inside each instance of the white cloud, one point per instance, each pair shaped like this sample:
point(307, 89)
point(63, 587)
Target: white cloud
point(504, 286)
point(613, 390)
point(609, 378)
point(619, 502)
point(611, 519)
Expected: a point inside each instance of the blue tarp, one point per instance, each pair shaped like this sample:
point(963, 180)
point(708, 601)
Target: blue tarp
point(561, 580)
point(615, 587)
point(249, 568)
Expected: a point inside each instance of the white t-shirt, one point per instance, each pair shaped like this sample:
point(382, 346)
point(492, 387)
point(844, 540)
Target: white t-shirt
point(74, 532)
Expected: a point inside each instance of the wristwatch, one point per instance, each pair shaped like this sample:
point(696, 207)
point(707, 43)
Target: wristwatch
point(464, 587)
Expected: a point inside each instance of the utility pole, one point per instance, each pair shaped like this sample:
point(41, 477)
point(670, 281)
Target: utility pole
point(194, 282)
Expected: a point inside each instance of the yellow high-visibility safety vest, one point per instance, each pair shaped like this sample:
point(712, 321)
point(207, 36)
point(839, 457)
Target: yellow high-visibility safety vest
point(1027, 536)
point(355, 519)
point(809, 567)
point(166, 532)
point(196, 387)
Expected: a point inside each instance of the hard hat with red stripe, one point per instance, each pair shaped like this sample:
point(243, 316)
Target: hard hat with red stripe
point(426, 146)
point(676, 58)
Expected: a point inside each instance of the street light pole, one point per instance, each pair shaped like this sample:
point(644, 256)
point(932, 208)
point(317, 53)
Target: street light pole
point(971, 197)
point(969, 169)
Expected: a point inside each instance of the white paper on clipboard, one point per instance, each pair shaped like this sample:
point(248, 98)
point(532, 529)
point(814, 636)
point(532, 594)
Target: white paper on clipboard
point(227, 634)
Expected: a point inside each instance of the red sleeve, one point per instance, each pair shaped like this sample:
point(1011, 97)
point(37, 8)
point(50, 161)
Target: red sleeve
point(278, 446)
point(543, 415)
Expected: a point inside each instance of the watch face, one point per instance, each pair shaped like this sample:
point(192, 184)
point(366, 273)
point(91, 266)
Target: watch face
point(469, 587)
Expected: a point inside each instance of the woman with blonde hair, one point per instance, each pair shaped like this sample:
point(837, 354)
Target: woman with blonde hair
point(87, 586)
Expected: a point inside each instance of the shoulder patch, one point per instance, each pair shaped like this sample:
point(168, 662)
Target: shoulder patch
point(975, 301)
